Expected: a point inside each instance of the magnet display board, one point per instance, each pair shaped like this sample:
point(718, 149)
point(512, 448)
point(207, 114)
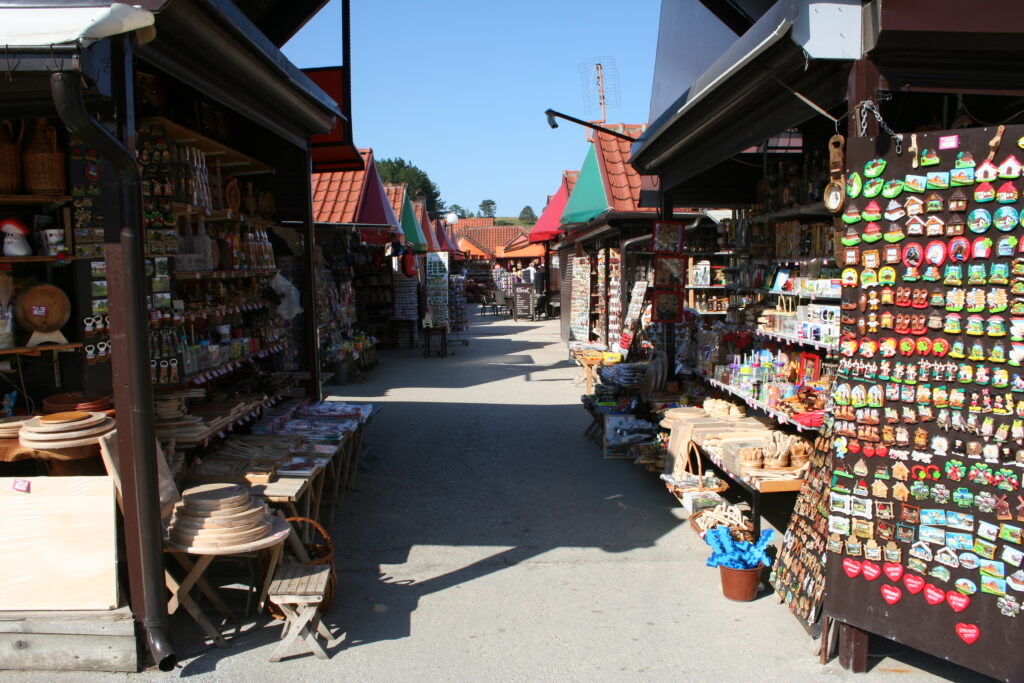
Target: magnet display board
point(925, 511)
point(58, 544)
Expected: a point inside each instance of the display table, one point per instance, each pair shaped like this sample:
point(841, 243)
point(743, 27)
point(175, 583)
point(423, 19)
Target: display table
point(181, 592)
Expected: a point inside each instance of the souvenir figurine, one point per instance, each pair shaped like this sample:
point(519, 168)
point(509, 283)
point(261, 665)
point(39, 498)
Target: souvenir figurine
point(15, 242)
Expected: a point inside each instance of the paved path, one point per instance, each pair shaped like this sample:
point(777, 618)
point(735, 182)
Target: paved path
point(491, 542)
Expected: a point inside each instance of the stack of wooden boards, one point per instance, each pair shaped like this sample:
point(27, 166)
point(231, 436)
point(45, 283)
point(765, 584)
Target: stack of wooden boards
point(64, 430)
point(10, 426)
point(75, 400)
point(216, 516)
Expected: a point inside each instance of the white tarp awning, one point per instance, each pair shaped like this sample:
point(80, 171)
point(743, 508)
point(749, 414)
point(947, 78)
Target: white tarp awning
point(39, 26)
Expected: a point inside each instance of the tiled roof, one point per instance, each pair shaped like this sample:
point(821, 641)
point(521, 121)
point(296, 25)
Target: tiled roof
point(338, 194)
point(489, 238)
point(622, 182)
point(474, 223)
point(396, 195)
point(570, 179)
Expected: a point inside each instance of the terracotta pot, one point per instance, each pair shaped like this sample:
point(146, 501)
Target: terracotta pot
point(740, 585)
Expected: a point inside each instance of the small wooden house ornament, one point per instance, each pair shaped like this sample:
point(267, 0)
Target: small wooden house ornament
point(958, 201)
point(879, 489)
point(933, 202)
point(1007, 193)
point(915, 226)
point(986, 172)
point(914, 206)
point(1010, 168)
point(901, 492)
point(901, 472)
point(934, 226)
point(860, 468)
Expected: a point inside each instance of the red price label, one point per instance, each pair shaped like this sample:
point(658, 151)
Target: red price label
point(39, 310)
point(23, 485)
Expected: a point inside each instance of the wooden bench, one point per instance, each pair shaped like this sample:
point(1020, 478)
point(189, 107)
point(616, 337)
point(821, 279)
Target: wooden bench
point(298, 589)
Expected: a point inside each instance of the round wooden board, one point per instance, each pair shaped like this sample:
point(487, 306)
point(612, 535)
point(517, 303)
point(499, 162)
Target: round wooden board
point(14, 421)
point(42, 307)
point(96, 430)
point(203, 513)
point(38, 425)
point(221, 537)
point(279, 531)
point(69, 416)
point(206, 522)
point(215, 496)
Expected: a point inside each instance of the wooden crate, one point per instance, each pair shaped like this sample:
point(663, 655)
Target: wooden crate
point(69, 641)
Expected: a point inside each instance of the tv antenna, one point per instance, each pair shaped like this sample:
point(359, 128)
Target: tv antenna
point(600, 82)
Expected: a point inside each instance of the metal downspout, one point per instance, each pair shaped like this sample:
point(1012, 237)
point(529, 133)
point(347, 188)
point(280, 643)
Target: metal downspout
point(141, 500)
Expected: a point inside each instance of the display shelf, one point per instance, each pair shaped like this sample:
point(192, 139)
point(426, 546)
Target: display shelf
point(233, 162)
point(780, 417)
point(33, 199)
point(812, 297)
point(213, 215)
point(190, 316)
point(36, 350)
point(721, 287)
point(814, 209)
point(222, 427)
point(40, 259)
point(699, 312)
point(232, 365)
point(224, 274)
point(797, 340)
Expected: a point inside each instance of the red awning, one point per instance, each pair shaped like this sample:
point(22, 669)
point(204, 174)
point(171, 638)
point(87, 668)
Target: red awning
point(334, 151)
point(549, 225)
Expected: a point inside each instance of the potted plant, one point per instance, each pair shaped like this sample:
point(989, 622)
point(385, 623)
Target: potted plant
point(739, 562)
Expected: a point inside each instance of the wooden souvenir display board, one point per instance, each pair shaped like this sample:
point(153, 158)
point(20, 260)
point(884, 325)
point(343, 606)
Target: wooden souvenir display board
point(579, 311)
point(926, 515)
point(798, 574)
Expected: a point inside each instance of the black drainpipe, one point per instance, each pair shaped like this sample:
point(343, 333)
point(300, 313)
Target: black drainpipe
point(133, 394)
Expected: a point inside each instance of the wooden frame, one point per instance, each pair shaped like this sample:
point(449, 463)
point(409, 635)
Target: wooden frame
point(668, 237)
point(669, 271)
point(668, 306)
point(810, 367)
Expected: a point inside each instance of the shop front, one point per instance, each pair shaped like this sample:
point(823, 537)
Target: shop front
point(157, 202)
point(869, 265)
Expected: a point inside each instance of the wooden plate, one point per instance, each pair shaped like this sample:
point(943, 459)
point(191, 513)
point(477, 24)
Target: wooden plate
point(57, 445)
point(95, 430)
point(57, 418)
point(41, 425)
point(42, 307)
point(279, 531)
point(215, 496)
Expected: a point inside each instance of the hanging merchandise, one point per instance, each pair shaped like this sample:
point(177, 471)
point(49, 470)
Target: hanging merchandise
point(409, 263)
point(923, 511)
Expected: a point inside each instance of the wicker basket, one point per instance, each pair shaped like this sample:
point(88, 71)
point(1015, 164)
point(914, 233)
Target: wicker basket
point(43, 162)
point(10, 159)
point(739, 534)
point(693, 456)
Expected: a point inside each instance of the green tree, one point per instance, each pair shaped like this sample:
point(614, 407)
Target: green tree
point(488, 208)
point(398, 170)
point(527, 215)
point(457, 210)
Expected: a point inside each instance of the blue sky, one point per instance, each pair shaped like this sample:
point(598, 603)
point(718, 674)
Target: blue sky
point(459, 88)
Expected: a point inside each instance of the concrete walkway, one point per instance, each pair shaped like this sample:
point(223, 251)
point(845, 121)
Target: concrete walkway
point(490, 541)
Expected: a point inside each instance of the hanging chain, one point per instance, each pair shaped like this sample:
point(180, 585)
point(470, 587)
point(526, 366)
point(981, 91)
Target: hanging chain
point(869, 106)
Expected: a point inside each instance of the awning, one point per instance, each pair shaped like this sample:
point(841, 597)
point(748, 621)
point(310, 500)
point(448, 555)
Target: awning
point(414, 236)
point(747, 95)
point(588, 199)
point(549, 225)
point(471, 249)
point(334, 151)
point(214, 47)
point(375, 208)
point(59, 24)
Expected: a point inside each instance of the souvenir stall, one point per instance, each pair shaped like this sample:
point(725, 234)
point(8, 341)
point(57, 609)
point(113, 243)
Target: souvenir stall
point(148, 315)
point(904, 525)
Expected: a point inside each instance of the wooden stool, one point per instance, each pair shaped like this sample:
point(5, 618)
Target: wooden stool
point(298, 590)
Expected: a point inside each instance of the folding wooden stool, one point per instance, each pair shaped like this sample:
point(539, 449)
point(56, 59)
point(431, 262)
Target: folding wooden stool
point(298, 589)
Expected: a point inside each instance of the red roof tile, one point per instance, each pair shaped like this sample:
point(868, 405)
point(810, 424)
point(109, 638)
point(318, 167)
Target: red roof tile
point(569, 177)
point(474, 223)
point(491, 238)
point(396, 195)
point(622, 182)
point(337, 195)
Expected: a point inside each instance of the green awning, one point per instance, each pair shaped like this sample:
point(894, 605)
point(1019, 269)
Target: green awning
point(588, 198)
point(411, 226)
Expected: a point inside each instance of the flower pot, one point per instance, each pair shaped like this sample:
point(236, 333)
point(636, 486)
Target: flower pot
point(740, 584)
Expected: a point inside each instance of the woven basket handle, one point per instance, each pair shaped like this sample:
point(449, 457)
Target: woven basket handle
point(10, 131)
point(316, 525)
point(691, 455)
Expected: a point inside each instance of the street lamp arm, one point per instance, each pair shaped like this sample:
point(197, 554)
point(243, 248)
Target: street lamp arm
point(551, 114)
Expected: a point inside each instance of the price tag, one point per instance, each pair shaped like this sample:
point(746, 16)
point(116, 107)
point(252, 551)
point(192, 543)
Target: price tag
point(23, 485)
point(949, 141)
point(39, 310)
